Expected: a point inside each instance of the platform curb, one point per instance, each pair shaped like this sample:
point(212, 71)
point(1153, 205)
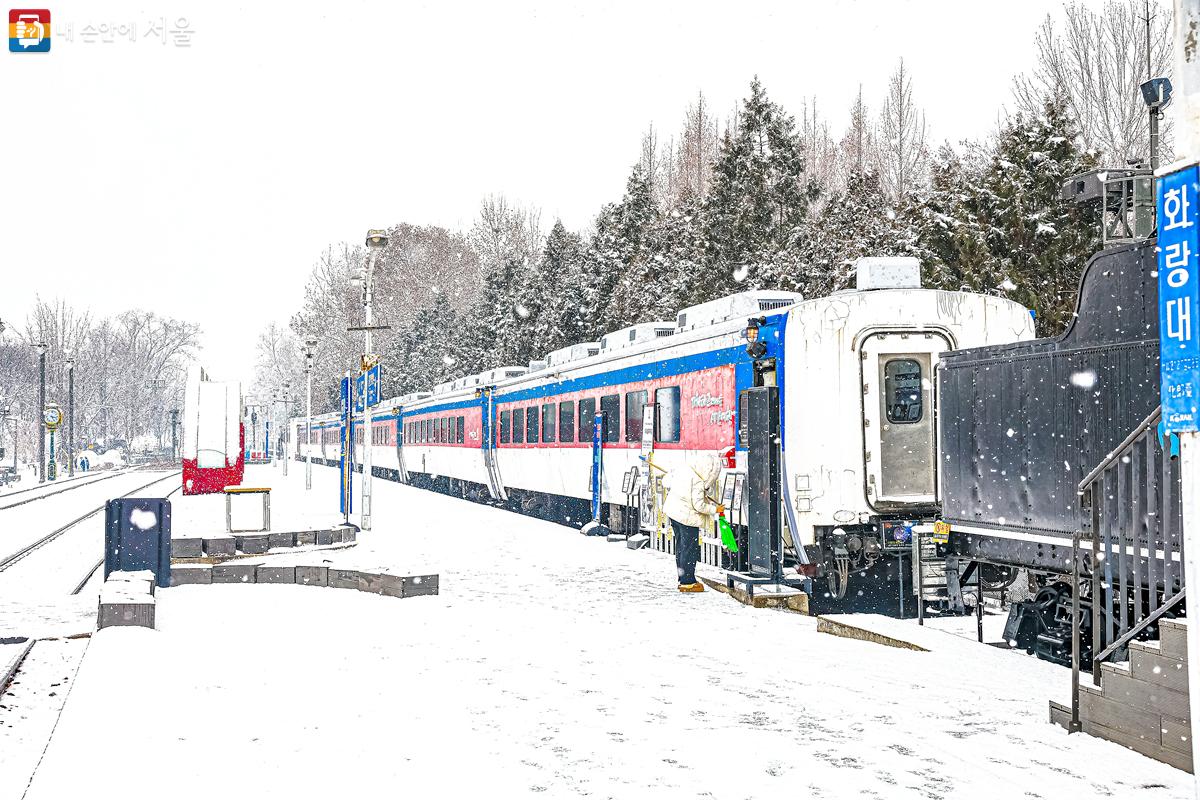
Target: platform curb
point(380, 583)
point(217, 549)
point(837, 628)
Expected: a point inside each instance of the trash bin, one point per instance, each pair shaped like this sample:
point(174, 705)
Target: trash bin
point(137, 535)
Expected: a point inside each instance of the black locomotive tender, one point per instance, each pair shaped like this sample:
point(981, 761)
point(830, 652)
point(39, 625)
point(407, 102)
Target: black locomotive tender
point(1021, 425)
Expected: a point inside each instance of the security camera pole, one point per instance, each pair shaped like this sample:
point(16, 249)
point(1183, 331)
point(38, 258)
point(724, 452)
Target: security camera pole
point(376, 241)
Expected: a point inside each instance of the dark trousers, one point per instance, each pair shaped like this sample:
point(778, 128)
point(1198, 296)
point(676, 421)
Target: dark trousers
point(687, 551)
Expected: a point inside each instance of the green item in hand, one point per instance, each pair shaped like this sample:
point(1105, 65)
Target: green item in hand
point(727, 537)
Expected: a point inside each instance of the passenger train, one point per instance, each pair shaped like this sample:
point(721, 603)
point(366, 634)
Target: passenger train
point(855, 373)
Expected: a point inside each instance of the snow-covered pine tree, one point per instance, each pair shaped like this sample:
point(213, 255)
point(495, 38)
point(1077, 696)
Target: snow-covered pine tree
point(1027, 244)
point(560, 319)
point(757, 198)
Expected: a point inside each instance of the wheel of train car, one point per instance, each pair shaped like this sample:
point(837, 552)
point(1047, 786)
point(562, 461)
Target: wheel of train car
point(837, 572)
point(997, 577)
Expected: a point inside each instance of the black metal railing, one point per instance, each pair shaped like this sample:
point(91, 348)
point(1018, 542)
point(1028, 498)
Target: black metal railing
point(1134, 552)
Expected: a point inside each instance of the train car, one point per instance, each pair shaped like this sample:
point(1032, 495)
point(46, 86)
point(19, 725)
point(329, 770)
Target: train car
point(213, 436)
point(855, 372)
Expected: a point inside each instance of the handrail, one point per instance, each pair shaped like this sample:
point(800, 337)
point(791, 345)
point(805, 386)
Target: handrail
point(1138, 628)
point(1112, 457)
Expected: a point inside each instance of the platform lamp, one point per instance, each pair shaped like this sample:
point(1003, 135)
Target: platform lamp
point(310, 346)
point(285, 433)
point(11, 417)
point(376, 241)
point(41, 351)
point(70, 362)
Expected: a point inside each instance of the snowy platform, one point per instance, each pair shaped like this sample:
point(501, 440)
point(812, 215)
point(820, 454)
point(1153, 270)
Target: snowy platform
point(563, 666)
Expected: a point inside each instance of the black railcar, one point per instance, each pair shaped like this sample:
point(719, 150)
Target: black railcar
point(1020, 425)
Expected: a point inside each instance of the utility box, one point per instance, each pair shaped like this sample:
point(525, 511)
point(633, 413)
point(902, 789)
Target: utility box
point(137, 536)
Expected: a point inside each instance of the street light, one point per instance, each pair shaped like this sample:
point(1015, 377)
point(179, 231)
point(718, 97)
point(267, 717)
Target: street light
point(376, 241)
point(310, 345)
point(70, 361)
point(11, 417)
point(41, 351)
point(285, 436)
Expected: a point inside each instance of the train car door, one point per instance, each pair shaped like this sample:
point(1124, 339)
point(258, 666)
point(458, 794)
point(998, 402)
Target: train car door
point(403, 473)
point(899, 423)
point(488, 443)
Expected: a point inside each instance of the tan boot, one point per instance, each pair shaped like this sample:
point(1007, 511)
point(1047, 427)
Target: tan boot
point(691, 587)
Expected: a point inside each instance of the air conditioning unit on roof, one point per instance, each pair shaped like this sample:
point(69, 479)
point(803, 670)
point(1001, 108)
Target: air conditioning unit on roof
point(573, 352)
point(739, 306)
point(636, 334)
point(537, 366)
point(887, 273)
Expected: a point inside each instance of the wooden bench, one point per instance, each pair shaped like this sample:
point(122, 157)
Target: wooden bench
point(265, 493)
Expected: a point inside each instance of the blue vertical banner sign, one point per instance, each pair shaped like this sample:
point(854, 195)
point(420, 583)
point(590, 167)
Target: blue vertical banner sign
point(359, 392)
point(1178, 297)
point(345, 467)
point(597, 463)
point(373, 386)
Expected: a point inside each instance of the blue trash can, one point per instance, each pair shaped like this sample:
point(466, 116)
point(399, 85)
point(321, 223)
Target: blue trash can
point(137, 536)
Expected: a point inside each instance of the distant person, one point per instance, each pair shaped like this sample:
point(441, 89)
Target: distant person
point(691, 505)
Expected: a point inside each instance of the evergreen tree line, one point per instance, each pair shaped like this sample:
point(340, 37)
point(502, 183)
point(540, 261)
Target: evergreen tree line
point(756, 201)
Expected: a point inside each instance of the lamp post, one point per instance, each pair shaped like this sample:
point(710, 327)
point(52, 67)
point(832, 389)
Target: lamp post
point(41, 350)
point(11, 417)
point(70, 416)
point(310, 345)
point(285, 436)
point(376, 241)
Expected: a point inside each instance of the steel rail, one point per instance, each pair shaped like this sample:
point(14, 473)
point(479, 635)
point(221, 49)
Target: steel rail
point(59, 491)
point(9, 560)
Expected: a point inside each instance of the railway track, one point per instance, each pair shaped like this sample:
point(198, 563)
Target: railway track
point(8, 561)
point(76, 483)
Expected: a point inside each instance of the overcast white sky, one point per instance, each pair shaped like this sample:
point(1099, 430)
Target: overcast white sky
point(202, 182)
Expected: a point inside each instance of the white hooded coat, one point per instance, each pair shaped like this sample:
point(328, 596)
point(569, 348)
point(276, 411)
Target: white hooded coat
point(691, 489)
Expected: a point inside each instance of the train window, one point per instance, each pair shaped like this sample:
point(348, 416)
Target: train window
point(666, 418)
point(634, 403)
point(587, 414)
point(427, 431)
point(505, 427)
point(531, 425)
point(566, 421)
point(518, 426)
point(610, 406)
point(444, 430)
point(548, 422)
point(458, 435)
point(902, 390)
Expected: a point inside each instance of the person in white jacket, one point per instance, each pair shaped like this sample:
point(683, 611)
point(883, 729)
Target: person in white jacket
point(691, 506)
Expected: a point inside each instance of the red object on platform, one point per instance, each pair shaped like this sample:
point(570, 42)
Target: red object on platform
point(213, 480)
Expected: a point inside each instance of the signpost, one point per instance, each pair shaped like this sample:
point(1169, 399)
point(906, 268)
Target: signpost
point(597, 464)
point(345, 463)
point(1178, 201)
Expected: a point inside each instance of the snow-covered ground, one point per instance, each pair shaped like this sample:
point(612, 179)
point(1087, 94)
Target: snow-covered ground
point(550, 664)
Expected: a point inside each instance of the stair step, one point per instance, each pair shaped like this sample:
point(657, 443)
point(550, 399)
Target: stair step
point(1153, 667)
point(1122, 687)
point(1172, 637)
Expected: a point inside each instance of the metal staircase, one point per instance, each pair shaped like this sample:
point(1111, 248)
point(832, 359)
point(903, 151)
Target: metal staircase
point(1127, 588)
